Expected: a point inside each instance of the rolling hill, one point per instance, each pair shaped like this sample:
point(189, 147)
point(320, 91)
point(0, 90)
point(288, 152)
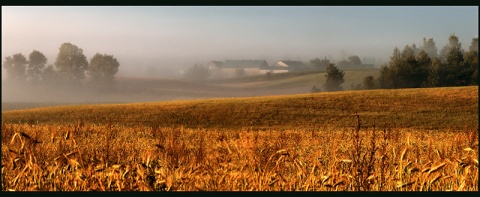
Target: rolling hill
point(426, 108)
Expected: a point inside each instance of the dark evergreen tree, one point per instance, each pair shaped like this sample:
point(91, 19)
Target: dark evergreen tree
point(334, 78)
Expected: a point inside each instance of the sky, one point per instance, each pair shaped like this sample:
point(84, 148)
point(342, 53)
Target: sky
point(166, 39)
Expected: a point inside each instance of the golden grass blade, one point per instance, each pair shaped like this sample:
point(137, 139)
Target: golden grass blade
point(468, 149)
point(402, 185)
point(404, 151)
point(436, 168)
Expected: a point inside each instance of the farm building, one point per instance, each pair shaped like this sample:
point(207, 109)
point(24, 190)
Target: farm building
point(233, 68)
point(283, 66)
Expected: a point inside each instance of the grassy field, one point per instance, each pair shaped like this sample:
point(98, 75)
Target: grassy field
point(302, 80)
point(377, 140)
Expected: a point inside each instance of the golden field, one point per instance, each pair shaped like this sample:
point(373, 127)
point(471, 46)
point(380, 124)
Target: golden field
point(377, 140)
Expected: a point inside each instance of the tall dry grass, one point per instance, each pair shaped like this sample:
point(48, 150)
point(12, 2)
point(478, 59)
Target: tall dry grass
point(110, 157)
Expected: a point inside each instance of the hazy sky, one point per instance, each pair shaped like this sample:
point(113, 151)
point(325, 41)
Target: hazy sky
point(151, 36)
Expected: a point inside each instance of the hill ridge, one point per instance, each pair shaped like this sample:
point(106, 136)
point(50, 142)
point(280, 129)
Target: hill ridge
point(425, 108)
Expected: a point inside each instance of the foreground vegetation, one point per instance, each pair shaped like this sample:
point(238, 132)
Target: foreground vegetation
point(390, 140)
point(112, 158)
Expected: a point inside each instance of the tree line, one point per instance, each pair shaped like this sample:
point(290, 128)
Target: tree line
point(70, 68)
point(416, 67)
point(426, 67)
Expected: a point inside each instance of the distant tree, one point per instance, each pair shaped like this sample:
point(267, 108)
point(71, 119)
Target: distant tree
point(471, 61)
point(416, 50)
point(334, 78)
point(15, 66)
point(50, 77)
point(421, 71)
point(197, 72)
point(474, 45)
point(407, 69)
point(368, 83)
point(404, 68)
point(355, 60)
point(389, 73)
point(430, 48)
point(319, 64)
point(414, 67)
point(71, 63)
point(103, 68)
point(452, 53)
point(350, 62)
point(386, 78)
point(457, 72)
point(35, 66)
point(404, 73)
point(436, 70)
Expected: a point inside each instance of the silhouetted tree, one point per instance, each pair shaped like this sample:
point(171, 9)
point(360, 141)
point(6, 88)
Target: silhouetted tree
point(35, 66)
point(436, 70)
point(421, 71)
point(407, 69)
point(50, 77)
point(457, 72)
point(414, 67)
point(430, 48)
point(404, 68)
point(474, 45)
point(334, 78)
point(355, 60)
point(368, 83)
point(406, 73)
point(471, 60)
point(102, 69)
point(386, 78)
point(319, 64)
point(71, 63)
point(15, 66)
point(452, 53)
point(389, 73)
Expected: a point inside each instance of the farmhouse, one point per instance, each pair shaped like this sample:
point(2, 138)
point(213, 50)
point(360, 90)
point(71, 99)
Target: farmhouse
point(233, 68)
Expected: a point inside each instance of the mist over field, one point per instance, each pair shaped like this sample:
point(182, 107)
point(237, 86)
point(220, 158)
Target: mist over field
point(156, 47)
point(240, 98)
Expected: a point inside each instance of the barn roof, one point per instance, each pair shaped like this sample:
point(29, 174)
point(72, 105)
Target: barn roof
point(244, 63)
